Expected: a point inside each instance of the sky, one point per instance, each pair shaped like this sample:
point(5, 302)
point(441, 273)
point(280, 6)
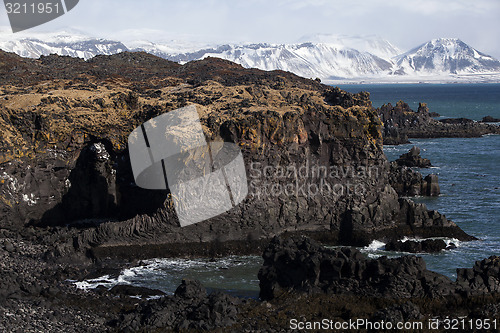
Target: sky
point(405, 23)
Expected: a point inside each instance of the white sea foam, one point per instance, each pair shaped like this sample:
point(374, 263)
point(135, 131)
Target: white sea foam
point(375, 245)
point(166, 273)
point(447, 240)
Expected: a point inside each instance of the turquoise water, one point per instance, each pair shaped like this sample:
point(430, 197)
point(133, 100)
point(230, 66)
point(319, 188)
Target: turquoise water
point(473, 101)
point(468, 177)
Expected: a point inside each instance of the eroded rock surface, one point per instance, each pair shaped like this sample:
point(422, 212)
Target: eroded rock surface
point(402, 123)
point(64, 158)
point(299, 264)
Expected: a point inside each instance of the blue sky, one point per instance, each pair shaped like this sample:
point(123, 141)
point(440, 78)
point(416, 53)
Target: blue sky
point(406, 23)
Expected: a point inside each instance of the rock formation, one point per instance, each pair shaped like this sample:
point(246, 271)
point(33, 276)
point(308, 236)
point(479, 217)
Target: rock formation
point(427, 245)
point(64, 158)
point(301, 265)
point(490, 119)
point(401, 122)
point(191, 308)
point(408, 182)
point(413, 159)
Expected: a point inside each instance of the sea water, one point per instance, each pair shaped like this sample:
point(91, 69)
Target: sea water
point(468, 171)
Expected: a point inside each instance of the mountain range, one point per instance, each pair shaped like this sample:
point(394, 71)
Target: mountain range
point(331, 58)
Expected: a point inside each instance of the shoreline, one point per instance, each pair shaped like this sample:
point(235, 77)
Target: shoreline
point(67, 162)
point(55, 292)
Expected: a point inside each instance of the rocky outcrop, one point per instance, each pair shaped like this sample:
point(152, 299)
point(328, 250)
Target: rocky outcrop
point(191, 308)
point(484, 277)
point(456, 121)
point(38, 295)
point(430, 187)
point(401, 122)
point(65, 164)
point(408, 182)
point(413, 159)
point(490, 119)
point(427, 245)
point(301, 265)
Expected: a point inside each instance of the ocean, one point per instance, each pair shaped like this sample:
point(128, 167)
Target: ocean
point(473, 101)
point(470, 195)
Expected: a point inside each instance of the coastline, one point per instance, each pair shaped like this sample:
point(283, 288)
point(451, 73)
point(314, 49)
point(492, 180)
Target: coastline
point(57, 232)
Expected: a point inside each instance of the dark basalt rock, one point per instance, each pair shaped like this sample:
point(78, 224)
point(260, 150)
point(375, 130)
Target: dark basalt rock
point(408, 182)
point(434, 114)
point(484, 277)
point(190, 309)
point(190, 289)
point(399, 313)
point(300, 265)
point(430, 187)
point(128, 290)
point(457, 121)
point(336, 96)
point(490, 119)
point(401, 123)
point(413, 159)
point(428, 246)
point(72, 173)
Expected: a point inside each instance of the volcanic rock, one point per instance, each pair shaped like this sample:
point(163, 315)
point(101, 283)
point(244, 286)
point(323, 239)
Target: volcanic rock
point(408, 182)
point(401, 122)
point(190, 309)
point(490, 119)
point(300, 264)
point(413, 159)
point(64, 161)
point(427, 245)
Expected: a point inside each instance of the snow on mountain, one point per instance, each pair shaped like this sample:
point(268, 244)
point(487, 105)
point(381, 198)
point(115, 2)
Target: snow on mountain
point(371, 44)
point(68, 43)
point(307, 59)
point(445, 56)
point(332, 58)
point(34, 48)
point(167, 48)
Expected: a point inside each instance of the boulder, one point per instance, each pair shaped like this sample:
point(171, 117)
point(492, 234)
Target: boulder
point(490, 119)
point(482, 278)
point(413, 159)
point(428, 246)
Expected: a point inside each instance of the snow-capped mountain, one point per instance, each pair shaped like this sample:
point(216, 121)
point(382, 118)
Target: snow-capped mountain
point(445, 56)
point(372, 44)
point(306, 59)
point(328, 57)
point(86, 49)
point(69, 43)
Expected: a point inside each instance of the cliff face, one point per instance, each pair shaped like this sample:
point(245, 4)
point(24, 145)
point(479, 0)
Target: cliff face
point(313, 153)
point(401, 122)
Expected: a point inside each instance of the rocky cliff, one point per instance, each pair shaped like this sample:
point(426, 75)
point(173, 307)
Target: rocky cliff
point(65, 163)
point(401, 122)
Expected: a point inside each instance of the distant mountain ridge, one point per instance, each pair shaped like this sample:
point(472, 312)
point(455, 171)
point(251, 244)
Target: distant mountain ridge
point(328, 57)
point(446, 55)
